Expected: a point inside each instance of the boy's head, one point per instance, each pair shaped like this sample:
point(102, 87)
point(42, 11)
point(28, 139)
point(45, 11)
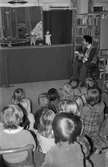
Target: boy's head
point(18, 94)
point(66, 127)
point(53, 94)
point(11, 116)
point(93, 96)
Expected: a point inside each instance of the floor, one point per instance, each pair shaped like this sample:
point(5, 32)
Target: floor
point(32, 91)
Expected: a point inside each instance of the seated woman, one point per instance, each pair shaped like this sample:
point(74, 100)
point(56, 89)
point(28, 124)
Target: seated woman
point(13, 135)
point(45, 133)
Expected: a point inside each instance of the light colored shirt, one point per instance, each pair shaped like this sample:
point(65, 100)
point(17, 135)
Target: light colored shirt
point(64, 155)
point(45, 143)
point(15, 138)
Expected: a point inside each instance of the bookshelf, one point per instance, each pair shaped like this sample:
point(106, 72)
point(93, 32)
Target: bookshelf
point(87, 24)
point(103, 67)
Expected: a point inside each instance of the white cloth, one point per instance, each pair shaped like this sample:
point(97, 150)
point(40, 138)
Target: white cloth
point(45, 143)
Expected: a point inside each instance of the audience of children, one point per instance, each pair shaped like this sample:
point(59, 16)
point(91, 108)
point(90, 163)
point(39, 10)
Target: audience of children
point(45, 133)
point(66, 107)
point(67, 151)
point(13, 135)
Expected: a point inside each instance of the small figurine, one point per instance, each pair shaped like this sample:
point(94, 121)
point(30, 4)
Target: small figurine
point(48, 38)
point(33, 39)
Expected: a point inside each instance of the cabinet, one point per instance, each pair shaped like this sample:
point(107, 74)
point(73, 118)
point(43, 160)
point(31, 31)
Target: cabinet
point(87, 24)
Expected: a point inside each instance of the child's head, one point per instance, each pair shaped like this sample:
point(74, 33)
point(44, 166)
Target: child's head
point(74, 83)
point(43, 99)
point(90, 82)
point(47, 32)
point(68, 106)
point(93, 96)
point(18, 94)
point(11, 116)
point(67, 88)
point(53, 94)
point(66, 127)
point(45, 124)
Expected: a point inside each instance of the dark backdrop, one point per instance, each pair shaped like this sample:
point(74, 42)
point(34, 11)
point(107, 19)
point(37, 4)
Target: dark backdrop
point(59, 23)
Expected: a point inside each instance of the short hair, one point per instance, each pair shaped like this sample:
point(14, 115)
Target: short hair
point(76, 82)
point(94, 96)
point(45, 123)
point(88, 39)
point(66, 127)
point(90, 80)
point(20, 92)
point(69, 106)
point(11, 116)
point(53, 94)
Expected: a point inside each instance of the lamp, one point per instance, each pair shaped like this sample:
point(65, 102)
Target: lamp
point(17, 1)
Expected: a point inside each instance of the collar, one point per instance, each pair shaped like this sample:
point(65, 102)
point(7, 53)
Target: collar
point(89, 46)
point(13, 131)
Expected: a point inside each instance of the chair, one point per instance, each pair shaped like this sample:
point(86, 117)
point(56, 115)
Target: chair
point(29, 160)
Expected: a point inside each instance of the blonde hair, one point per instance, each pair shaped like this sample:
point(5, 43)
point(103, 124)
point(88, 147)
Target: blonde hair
point(45, 125)
point(11, 116)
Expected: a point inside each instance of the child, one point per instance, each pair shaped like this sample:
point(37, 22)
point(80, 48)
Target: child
point(92, 116)
point(45, 134)
point(24, 103)
point(67, 151)
point(13, 135)
point(71, 90)
point(20, 97)
point(90, 83)
point(69, 107)
point(54, 99)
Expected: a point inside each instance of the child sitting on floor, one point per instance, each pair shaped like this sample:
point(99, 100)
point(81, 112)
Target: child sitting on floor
point(45, 133)
point(13, 135)
point(92, 116)
point(67, 151)
point(70, 90)
point(19, 98)
point(54, 99)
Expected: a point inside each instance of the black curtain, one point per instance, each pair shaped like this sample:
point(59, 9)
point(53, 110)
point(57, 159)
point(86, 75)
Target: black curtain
point(59, 23)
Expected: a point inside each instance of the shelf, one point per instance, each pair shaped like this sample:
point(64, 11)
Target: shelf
point(87, 24)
